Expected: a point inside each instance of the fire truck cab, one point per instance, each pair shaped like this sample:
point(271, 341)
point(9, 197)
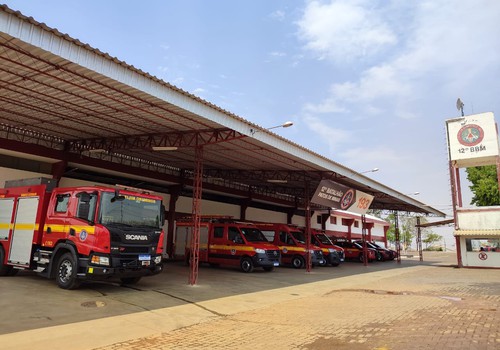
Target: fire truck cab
point(79, 233)
point(292, 244)
point(224, 241)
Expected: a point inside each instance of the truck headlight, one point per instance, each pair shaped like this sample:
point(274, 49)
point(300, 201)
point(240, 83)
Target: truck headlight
point(100, 260)
point(331, 250)
point(158, 259)
point(260, 251)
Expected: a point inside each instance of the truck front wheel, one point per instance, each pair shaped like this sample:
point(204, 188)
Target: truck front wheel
point(246, 264)
point(66, 272)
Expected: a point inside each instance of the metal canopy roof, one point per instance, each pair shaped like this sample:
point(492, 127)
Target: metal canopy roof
point(64, 102)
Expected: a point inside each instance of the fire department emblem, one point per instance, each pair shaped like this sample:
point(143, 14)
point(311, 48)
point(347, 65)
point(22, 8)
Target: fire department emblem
point(483, 256)
point(470, 135)
point(347, 199)
point(233, 251)
point(83, 235)
point(285, 250)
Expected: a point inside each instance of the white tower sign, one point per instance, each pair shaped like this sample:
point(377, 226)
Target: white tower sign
point(472, 140)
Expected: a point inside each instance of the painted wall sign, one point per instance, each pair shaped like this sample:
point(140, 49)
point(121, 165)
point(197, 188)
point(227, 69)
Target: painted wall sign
point(333, 195)
point(472, 140)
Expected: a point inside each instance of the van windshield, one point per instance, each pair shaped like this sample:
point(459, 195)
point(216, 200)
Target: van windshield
point(299, 236)
point(253, 235)
point(323, 239)
point(129, 210)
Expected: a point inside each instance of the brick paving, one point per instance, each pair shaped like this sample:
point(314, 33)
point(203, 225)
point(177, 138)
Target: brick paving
point(430, 307)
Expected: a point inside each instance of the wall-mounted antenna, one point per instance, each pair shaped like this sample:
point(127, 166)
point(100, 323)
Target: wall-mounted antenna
point(460, 106)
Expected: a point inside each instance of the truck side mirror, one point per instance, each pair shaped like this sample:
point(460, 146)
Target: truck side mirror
point(162, 215)
point(117, 197)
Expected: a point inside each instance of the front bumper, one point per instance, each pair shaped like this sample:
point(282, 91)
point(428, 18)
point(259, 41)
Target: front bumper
point(268, 259)
point(121, 268)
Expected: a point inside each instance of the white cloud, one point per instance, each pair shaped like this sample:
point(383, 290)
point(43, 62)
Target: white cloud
point(330, 135)
point(278, 15)
point(446, 45)
point(344, 30)
point(277, 54)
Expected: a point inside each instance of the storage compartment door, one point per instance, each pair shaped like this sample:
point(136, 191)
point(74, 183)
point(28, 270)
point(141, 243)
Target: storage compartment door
point(23, 231)
point(6, 207)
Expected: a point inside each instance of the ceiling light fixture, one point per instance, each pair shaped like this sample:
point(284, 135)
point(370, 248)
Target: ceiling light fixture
point(277, 181)
point(164, 148)
point(97, 150)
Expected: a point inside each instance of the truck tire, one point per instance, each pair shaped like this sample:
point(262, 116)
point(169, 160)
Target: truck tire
point(298, 262)
point(66, 272)
point(130, 280)
point(5, 270)
point(246, 264)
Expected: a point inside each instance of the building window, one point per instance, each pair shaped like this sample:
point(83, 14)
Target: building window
point(483, 244)
point(318, 219)
point(333, 220)
point(345, 222)
point(356, 223)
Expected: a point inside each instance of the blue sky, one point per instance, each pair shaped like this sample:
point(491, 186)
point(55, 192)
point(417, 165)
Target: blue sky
point(367, 83)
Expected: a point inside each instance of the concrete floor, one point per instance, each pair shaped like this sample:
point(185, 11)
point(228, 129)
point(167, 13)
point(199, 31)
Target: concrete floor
point(386, 305)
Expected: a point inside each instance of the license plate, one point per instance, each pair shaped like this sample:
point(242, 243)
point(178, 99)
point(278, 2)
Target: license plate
point(146, 263)
point(144, 257)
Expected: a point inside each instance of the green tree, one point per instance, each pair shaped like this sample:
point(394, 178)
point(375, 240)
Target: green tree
point(431, 238)
point(407, 229)
point(484, 185)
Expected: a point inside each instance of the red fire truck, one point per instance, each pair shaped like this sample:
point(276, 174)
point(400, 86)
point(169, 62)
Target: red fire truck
point(227, 242)
point(79, 233)
point(292, 243)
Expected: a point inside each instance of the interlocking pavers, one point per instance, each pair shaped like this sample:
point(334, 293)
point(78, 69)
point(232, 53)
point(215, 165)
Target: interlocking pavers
point(423, 307)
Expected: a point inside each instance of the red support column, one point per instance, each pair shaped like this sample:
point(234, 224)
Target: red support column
point(363, 238)
point(308, 227)
point(196, 213)
point(419, 239)
point(454, 199)
point(397, 236)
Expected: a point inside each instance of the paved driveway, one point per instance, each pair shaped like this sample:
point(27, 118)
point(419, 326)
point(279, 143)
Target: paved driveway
point(411, 305)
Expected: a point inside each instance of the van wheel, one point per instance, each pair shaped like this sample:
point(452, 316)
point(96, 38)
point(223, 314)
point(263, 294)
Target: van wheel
point(246, 264)
point(335, 261)
point(5, 270)
point(66, 272)
point(298, 262)
point(130, 280)
point(361, 258)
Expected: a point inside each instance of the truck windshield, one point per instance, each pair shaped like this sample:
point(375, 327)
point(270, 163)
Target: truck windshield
point(129, 210)
point(253, 235)
point(299, 236)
